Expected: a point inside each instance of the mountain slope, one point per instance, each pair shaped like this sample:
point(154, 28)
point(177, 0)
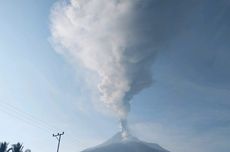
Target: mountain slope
point(128, 144)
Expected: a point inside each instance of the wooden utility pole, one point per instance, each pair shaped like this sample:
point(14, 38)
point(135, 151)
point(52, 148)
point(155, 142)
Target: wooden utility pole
point(58, 136)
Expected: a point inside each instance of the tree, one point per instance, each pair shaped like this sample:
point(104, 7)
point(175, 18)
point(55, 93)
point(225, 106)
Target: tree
point(3, 147)
point(17, 147)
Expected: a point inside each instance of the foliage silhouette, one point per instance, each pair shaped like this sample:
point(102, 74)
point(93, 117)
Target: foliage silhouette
point(3, 147)
point(17, 147)
point(14, 148)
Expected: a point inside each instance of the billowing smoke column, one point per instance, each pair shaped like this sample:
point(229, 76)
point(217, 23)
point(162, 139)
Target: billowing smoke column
point(117, 39)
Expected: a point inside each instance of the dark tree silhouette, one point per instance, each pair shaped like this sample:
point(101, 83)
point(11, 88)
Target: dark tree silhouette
point(3, 147)
point(14, 148)
point(17, 147)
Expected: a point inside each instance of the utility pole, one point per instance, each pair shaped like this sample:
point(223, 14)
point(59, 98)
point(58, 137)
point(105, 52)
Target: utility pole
point(58, 136)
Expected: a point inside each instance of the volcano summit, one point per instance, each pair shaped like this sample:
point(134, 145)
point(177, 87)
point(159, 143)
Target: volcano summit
point(129, 143)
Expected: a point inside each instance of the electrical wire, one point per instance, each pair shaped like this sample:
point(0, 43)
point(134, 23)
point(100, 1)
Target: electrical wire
point(26, 117)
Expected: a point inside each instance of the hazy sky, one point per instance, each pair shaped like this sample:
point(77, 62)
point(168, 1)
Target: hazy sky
point(187, 109)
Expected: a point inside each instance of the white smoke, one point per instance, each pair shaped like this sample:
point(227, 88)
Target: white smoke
point(117, 39)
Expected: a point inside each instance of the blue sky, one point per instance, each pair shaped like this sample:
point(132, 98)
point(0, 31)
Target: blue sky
point(186, 109)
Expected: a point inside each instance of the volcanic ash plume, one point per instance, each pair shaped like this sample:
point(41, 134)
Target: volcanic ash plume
point(116, 39)
point(124, 129)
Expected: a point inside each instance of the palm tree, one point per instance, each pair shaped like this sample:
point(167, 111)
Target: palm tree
point(17, 147)
point(3, 147)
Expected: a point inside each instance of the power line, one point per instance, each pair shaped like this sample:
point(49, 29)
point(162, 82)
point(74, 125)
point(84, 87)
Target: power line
point(26, 117)
point(23, 116)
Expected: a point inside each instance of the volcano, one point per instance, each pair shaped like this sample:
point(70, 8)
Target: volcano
point(127, 143)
